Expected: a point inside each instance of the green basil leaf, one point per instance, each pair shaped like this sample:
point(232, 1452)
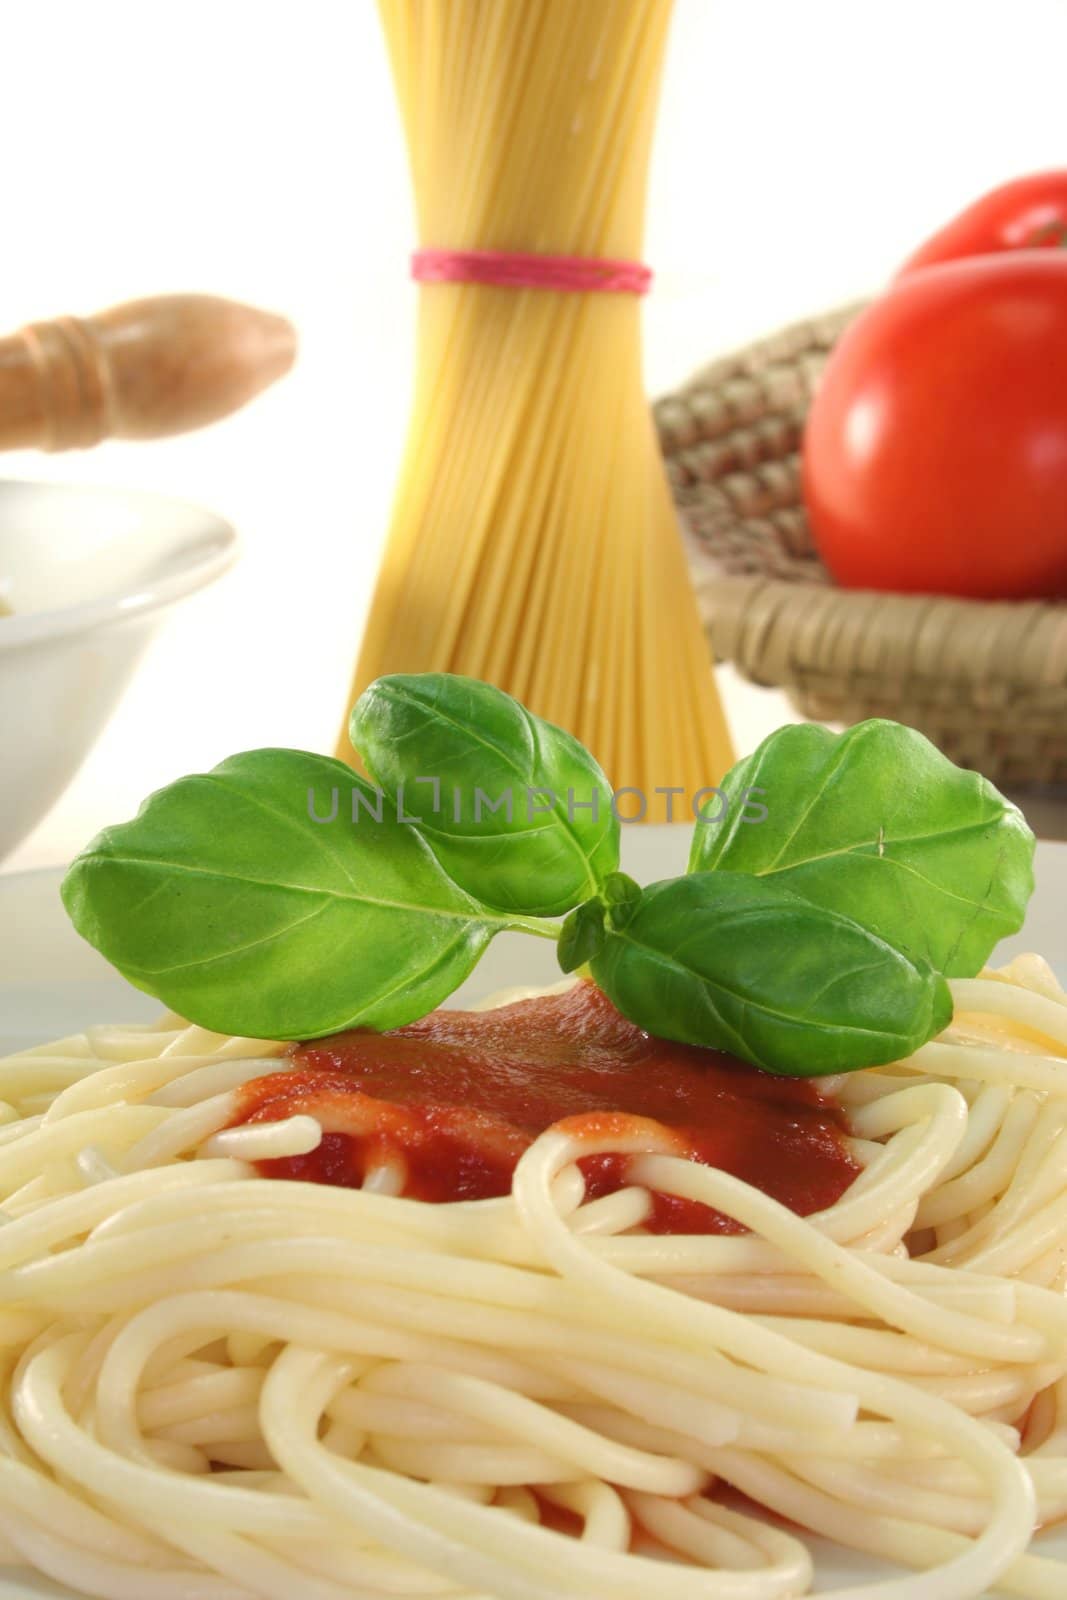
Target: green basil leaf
point(621, 896)
point(582, 936)
point(229, 903)
point(515, 809)
point(878, 824)
point(743, 965)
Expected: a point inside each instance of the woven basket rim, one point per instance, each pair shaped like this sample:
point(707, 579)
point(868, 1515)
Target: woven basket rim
point(919, 600)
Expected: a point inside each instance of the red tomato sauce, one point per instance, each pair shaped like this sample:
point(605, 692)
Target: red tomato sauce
point(458, 1096)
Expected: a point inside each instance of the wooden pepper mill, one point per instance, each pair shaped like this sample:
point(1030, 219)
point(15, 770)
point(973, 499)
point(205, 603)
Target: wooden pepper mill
point(142, 370)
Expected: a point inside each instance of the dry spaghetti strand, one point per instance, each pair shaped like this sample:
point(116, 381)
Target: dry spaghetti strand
point(534, 541)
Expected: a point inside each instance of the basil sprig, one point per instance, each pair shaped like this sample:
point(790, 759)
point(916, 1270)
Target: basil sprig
point(280, 896)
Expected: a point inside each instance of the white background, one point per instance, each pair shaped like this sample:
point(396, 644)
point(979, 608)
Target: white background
point(250, 148)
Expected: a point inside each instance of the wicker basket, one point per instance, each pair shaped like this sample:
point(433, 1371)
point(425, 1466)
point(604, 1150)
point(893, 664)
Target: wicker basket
point(987, 681)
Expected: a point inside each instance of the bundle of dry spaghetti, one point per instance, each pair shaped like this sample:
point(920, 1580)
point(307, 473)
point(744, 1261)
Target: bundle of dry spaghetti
point(534, 541)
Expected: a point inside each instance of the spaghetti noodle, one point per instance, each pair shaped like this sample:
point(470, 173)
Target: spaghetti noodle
point(219, 1386)
point(534, 542)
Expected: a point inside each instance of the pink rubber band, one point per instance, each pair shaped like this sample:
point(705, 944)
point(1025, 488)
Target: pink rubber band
point(516, 269)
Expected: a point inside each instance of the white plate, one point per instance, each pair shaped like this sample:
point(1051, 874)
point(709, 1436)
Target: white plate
point(51, 984)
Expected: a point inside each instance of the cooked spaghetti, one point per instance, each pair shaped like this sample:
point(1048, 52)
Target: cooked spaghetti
point(534, 542)
point(220, 1386)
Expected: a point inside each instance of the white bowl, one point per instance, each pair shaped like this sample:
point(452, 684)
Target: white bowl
point(87, 573)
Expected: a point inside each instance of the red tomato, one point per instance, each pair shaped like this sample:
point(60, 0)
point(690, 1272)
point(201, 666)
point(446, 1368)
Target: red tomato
point(935, 453)
point(1028, 214)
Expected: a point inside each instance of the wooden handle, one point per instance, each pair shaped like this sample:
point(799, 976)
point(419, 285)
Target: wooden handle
point(139, 371)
